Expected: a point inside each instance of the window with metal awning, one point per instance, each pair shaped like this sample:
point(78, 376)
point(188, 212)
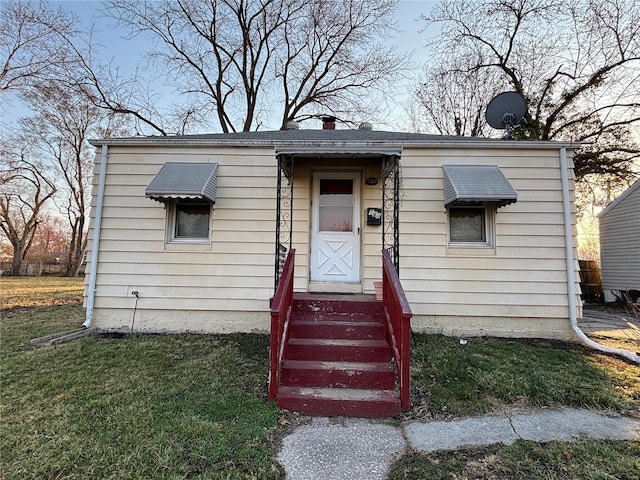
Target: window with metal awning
point(182, 181)
point(473, 184)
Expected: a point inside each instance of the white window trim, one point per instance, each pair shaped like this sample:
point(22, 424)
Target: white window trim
point(489, 228)
point(170, 228)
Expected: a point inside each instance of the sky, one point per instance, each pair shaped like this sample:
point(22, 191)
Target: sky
point(127, 53)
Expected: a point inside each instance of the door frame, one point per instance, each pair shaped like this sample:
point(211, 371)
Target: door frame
point(333, 173)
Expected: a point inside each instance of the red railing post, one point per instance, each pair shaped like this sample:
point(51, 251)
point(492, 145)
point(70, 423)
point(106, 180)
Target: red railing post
point(281, 305)
point(397, 315)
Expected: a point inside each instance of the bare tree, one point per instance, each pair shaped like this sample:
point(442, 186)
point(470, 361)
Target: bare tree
point(575, 62)
point(229, 57)
point(461, 94)
point(332, 59)
point(63, 121)
point(24, 191)
point(33, 43)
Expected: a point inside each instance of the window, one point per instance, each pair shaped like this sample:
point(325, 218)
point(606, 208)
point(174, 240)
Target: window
point(189, 221)
point(471, 226)
point(336, 205)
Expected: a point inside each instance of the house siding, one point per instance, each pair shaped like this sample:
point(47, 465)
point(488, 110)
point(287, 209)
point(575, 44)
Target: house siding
point(222, 286)
point(518, 288)
point(620, 244)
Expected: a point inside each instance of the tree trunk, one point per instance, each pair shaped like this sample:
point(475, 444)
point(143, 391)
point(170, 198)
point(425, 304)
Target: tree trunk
point(18, 257)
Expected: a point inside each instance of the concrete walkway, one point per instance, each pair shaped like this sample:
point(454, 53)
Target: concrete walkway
point(361, 449)
point(605, 324)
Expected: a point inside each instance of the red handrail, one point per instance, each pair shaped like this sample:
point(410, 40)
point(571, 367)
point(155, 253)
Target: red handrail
point(397, 314)
point(281, 306)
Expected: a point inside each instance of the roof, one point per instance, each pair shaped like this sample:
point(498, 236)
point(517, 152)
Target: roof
point(281, 139)
point(464, 184)
point(620, 198)
point(184, 180)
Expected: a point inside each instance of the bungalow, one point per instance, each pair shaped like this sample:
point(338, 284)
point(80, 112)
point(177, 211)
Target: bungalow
point(338, 242)
point(190, 233)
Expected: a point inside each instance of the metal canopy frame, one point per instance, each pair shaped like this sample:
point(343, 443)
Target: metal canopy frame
point(391, 208)
point(284, 213)
point(390, 173)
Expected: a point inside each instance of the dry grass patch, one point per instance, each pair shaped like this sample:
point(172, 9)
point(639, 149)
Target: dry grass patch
point(40, 291)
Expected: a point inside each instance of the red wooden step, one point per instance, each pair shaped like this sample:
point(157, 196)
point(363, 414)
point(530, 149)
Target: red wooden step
point(330, 316)
point(320, 304)
point(337, 350)
point(378, 375)
point(340, 401)
point(337, 329)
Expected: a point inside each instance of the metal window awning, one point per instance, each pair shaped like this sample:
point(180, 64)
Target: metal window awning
point(464, 184)
point(184, 181)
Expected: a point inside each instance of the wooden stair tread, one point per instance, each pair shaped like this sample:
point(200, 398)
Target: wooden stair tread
point(321, 364)
point(342, 393)
point(338, 342)
point(336, 322)
point(351, 402)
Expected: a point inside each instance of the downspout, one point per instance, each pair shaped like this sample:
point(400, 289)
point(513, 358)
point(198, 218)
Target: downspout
point(568, 247)
point(93, 269)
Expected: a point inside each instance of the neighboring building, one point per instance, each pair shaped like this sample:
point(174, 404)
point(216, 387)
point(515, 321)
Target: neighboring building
point(198, 225)
point(620, 244)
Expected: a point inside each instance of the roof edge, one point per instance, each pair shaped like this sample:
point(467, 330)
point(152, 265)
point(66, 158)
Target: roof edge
point(632, 188)
point(446, 142)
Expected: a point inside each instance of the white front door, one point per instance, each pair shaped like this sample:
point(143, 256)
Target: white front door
point(335, 232)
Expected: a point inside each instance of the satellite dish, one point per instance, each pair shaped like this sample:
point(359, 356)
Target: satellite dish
point(506, 111)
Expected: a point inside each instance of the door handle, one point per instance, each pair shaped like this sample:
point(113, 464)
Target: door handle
point(358, 230)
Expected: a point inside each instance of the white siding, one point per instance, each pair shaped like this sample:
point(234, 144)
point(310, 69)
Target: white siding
point(518, 288)
point(221, 286)
point(620, 243)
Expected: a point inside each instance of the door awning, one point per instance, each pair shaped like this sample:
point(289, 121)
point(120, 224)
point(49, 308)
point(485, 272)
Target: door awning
point(184, 181)
point(464, 184)
point(339, 150)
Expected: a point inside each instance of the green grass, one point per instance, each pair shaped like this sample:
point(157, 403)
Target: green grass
point(182, 406)
point(488, 375)
point(584, 459)
point(194, 406)
point(485, 375)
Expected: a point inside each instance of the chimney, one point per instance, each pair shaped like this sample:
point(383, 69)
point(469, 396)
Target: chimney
point(328, 123)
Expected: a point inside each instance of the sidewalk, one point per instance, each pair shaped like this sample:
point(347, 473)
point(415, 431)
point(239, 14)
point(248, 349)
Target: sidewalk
point(362, 449)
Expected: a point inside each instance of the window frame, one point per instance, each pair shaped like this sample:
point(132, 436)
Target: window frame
point(172, 222)
point(489, 210)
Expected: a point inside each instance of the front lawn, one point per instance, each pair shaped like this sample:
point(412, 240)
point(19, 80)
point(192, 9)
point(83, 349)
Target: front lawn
point(139, 406)
point(194, 406)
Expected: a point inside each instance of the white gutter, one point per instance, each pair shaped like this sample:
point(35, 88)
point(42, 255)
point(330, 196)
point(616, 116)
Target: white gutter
point(568, 247)
point(93, 268)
